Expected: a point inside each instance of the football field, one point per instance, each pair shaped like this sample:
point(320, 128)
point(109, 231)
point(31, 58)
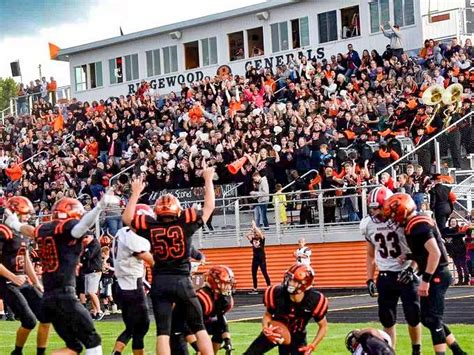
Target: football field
point(346, 312)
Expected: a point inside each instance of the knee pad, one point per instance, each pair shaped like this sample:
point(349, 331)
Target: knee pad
point(387, 319)
point(436, 328)
point(138, 343)
point(413, 318)
point(92, 341)
point(28, 322)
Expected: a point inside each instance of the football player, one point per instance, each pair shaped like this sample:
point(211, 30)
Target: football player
point(369, 342)
point(429, 253)
point(387, 249)
point(129, 251)
point(294, 303)
point(60, 246)
point(170, 235)
point(16, 267)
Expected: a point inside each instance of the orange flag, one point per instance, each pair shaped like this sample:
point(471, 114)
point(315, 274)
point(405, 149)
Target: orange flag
point(58, 123)
point(53, 50)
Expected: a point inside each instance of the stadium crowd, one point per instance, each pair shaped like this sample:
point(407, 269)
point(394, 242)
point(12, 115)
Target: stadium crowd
point(285, 122)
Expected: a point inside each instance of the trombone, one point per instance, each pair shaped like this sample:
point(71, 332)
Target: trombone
point(452, 95)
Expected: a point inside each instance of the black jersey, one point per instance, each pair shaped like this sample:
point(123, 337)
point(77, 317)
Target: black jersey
point(13, 248)
point(170, 241)
point(59, 252)
point(418, 231)
point(295, 315)
point(258, 247)
point(214, 305)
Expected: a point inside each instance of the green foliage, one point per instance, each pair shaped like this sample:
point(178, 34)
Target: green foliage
point(8, 89)
point(242, 335)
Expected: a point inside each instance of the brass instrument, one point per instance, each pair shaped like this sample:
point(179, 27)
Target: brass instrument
point(452, 95)
point(433, 96)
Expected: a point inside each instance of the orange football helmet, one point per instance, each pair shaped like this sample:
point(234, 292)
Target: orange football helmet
point(302, 275)
point(378, 196)
point(20, 205)
point(221, 279)
point(167, 206)
point(398, 207)
point(67, 208)
point(142, 209)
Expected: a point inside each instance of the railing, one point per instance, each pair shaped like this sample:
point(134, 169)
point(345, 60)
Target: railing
point(24, 104)
point(432, 139)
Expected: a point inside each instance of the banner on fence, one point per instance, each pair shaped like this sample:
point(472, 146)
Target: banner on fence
point(193, 194)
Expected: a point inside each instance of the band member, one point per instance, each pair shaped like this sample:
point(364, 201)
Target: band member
point(387, 249)
point(294, 303)
point(170, 235)
point(60, 246)
point(129, 251)
point(429, 253)
point(369, 342)
point(23, 298)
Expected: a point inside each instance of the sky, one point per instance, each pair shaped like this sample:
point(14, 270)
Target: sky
point(26, 27)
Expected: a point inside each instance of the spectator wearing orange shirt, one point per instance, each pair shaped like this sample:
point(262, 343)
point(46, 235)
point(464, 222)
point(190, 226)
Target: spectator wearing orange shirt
point(14, 172)
point(52, 86)
point(93, 148)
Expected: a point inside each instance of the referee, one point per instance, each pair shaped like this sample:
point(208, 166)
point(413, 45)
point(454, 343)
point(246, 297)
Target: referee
point(129, 251)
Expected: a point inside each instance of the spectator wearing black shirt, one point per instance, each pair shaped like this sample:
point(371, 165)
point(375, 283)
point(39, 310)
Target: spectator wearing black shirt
point(441, 201)
point(91, 261)
point(257, 240)
point(454, 237)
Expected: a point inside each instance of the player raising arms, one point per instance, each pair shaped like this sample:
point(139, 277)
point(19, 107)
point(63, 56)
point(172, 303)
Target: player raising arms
point(23, 298)
point(170, 237)
point(428, 250)
point(387, 248)
point(129, 251)
point(293, 303)
point(60, 246)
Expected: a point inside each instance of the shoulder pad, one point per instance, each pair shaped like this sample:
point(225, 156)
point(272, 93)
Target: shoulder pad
point(5, 232)
point(419, 223)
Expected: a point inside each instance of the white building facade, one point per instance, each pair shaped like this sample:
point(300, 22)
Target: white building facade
point(264, 35)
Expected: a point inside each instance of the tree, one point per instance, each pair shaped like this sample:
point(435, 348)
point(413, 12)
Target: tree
point(8, 89)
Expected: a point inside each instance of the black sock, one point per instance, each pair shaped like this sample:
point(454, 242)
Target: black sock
point(194, 345)
point(18, 350)
point(440, 353)
point(416, 349)
point(40, 351)
point(455, 348)
point(116, 352)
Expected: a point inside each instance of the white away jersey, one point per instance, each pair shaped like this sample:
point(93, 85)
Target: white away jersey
point(303, 256)
point(360, 350)
point(390, 244)
point(128, 268)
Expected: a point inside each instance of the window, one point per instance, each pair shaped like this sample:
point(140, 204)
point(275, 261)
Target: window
point(379, 14)
point(279, 36)
point(131, 67)
point(116, 70)
point(80, 74)
point(88, 76)
point(350, 22)
point(404, 12)
point(236, 45)
point(95, 75)
point(300, 32)
point(255, 42)
point(153, 63)
point(191, 55)
point(327, 26)
point(170, 59)
point(209, 51)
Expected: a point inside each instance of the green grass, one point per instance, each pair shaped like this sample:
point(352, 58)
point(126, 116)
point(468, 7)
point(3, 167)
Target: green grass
point(242, 334)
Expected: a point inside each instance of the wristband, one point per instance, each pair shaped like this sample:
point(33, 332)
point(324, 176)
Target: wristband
point(426, 277)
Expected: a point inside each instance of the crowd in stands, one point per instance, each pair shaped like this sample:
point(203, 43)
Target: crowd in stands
point(285, 122)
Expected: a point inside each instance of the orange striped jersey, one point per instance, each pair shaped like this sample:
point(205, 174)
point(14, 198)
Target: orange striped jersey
point(418, 231)
point(59, 252)
point(13, 248)
point(170, 241)
point(295, 315)
point(215, 306)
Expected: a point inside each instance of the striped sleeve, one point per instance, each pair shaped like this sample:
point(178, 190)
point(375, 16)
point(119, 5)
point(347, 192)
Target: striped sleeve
point(269, 298)
point(5, 233)
point(139, 222)
point(420, 223)
point(206, 302)
point(190, 215)
point(321, 308)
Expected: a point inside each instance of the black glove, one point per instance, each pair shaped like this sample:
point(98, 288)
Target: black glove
point(227, 346)
point(372, 288)
point(406, 276)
